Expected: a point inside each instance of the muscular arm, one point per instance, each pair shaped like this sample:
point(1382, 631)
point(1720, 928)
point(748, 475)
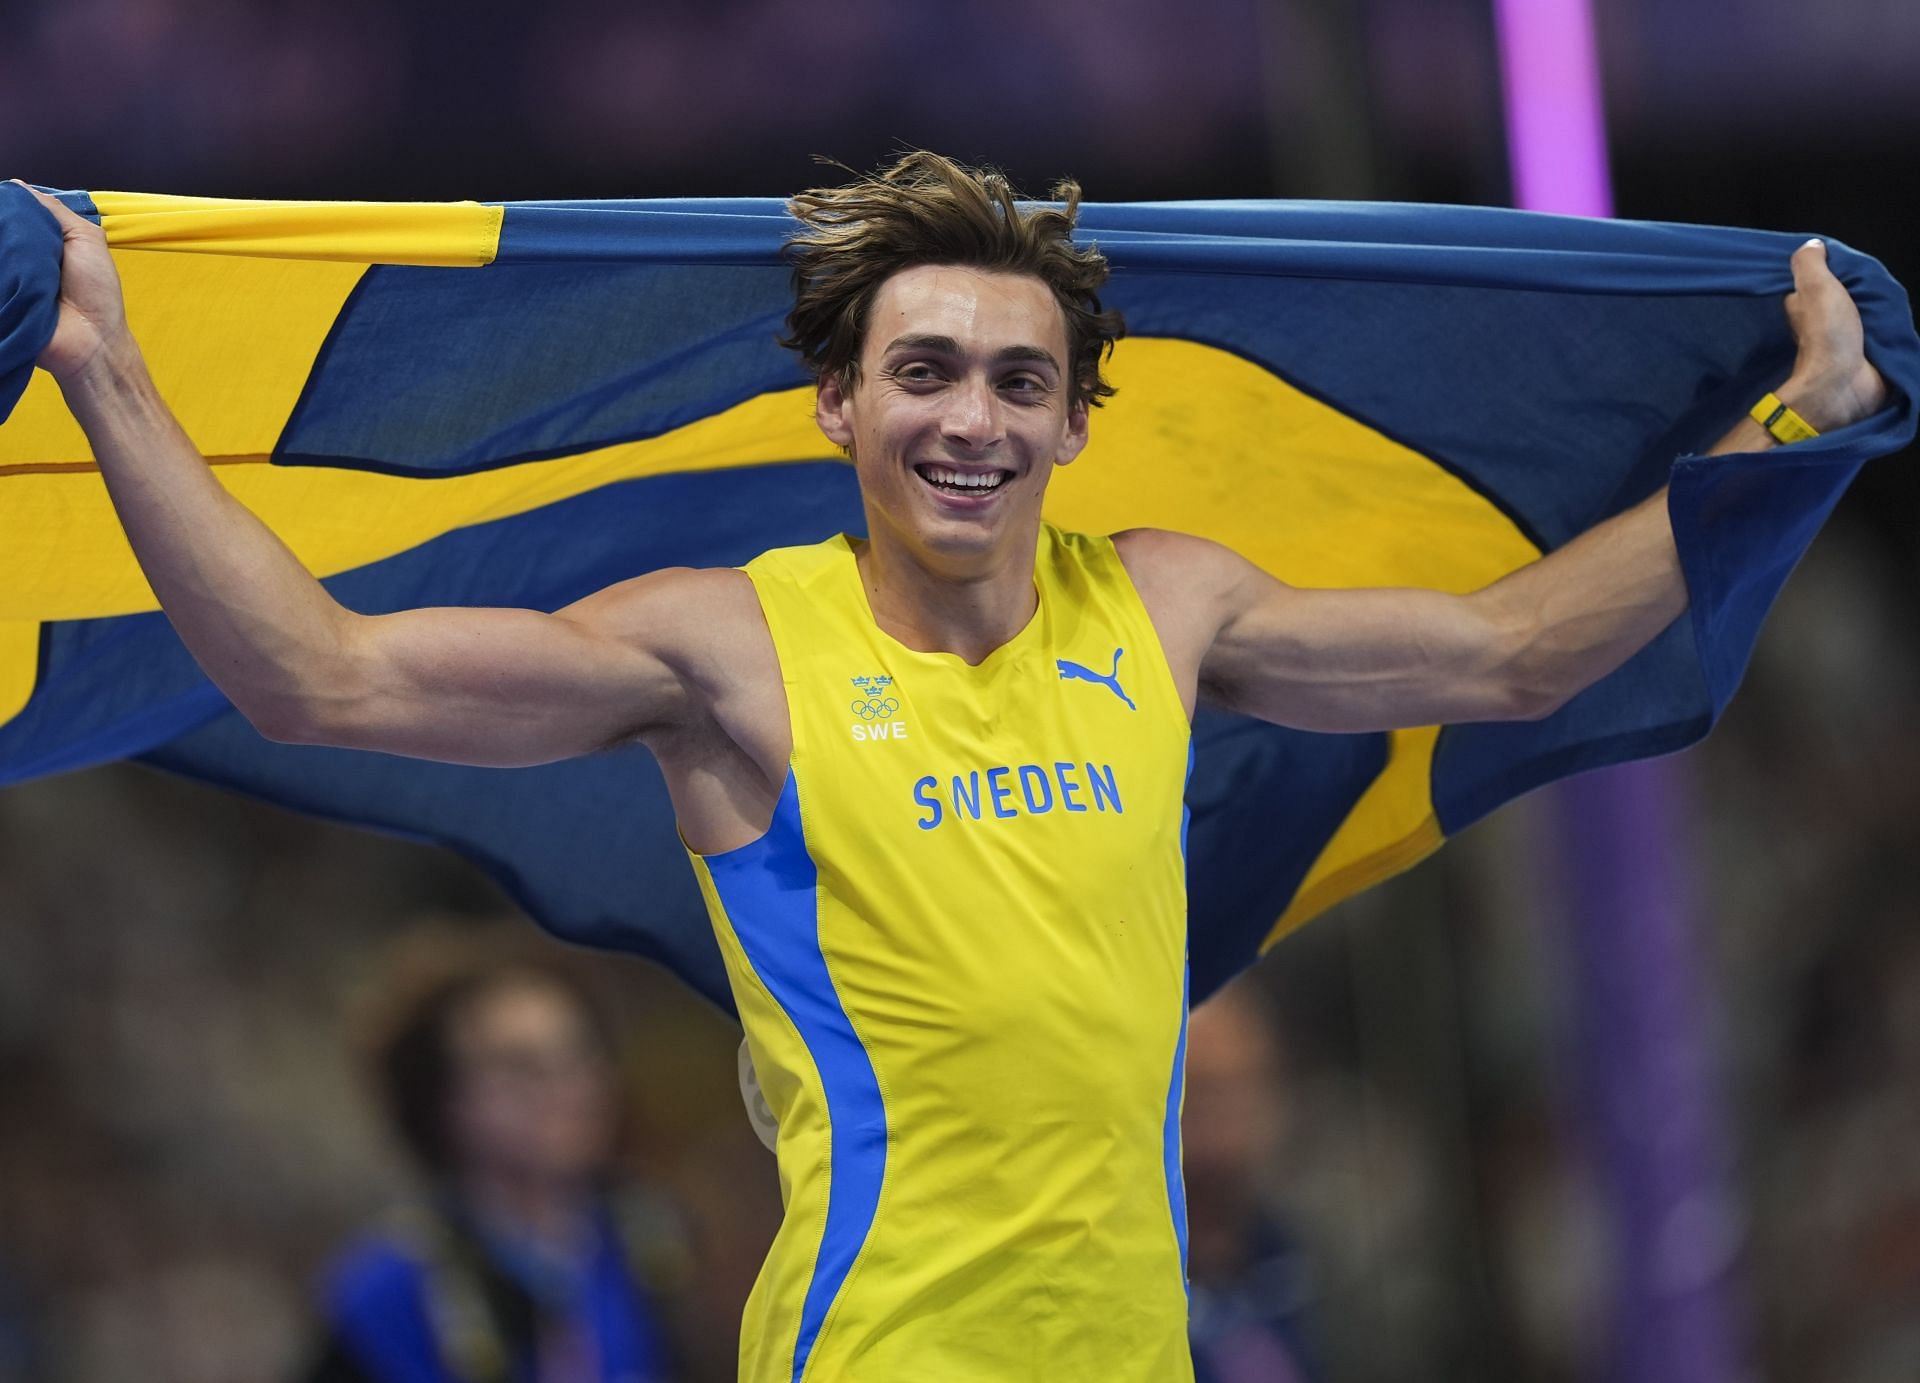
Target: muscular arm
point(480, 686)
point(1358, 660)
point(501, 687)
point(1376, 659)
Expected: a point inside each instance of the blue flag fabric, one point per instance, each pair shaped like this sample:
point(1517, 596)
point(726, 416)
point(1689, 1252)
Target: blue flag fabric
point(517, 404)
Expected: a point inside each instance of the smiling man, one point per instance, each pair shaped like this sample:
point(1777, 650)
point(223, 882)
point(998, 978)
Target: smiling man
point(930, 781)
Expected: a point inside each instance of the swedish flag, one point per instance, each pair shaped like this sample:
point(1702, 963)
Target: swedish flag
point(520, 403)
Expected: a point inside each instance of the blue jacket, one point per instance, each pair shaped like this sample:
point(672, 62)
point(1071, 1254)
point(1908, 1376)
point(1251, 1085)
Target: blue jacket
point(430, 1298)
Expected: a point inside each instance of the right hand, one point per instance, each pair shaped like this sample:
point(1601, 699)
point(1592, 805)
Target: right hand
point(92, 315)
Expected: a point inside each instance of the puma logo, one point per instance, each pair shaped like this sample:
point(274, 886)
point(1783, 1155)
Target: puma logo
point(1071, 671)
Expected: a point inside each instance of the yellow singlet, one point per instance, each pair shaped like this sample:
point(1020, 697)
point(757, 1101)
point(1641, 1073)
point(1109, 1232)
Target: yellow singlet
point(959, 954)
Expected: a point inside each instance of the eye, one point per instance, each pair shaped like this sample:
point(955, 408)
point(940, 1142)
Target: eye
point(915, 372)
point(1024, 384)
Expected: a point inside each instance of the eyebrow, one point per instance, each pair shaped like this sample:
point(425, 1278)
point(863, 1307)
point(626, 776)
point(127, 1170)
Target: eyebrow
point(946, 345)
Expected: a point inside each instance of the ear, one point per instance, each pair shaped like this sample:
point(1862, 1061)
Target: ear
point(1075, 441)
point(831, 410)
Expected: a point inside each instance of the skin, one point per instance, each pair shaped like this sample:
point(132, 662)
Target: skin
point(681, 660)
point(530, 1109)
point(530, 1112)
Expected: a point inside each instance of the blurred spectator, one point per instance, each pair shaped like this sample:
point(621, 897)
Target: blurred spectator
point(1250, 1284)
point(522, 1262)
point(16, 1341)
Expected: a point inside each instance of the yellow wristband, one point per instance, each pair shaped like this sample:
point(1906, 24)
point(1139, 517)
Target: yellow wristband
point(1785, 425)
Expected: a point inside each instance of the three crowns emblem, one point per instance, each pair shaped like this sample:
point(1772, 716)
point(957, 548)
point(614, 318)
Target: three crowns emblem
point(873, 703)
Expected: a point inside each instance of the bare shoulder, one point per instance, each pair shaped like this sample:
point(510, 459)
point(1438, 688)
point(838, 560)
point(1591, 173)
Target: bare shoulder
point(697, 619)
point(1185, 577)
point(704, 623)
point(1177, 561)
point(1188, 585)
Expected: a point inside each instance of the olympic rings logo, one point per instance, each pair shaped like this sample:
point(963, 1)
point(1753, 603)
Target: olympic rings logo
point(876, 709)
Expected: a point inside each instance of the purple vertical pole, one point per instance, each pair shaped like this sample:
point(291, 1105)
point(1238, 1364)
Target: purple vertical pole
point(1650, 1118)
point(1556, 125)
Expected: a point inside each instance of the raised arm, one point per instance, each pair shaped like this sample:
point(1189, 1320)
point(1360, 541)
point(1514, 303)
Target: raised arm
point(1355, 660)
point(479, 686)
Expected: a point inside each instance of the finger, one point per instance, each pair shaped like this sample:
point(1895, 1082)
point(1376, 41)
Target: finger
point(66, 216)
point(1810, 265)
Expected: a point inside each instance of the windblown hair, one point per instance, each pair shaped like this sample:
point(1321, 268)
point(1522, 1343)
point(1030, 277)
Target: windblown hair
point(928, 209)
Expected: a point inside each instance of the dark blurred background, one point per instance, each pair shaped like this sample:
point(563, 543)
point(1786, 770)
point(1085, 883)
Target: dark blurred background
point(183, 1140)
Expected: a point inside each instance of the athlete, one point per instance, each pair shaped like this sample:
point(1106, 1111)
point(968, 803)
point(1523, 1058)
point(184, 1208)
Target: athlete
point(930, 780)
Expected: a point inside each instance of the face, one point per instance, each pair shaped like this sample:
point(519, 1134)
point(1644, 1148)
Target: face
point(959, 412)
point(532, 1091)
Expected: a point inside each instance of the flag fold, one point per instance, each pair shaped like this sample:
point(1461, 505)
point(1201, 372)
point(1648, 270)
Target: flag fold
point(516, 404)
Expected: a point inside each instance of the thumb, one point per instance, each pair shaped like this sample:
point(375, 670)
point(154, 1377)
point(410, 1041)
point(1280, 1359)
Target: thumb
point(1810, 265)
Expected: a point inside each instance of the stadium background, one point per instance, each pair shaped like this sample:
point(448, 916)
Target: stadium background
point(182, 1139)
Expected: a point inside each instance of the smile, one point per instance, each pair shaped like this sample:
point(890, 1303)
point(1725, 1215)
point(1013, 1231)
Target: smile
point(956, 482)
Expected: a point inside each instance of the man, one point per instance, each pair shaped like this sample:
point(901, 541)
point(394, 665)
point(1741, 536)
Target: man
point(930, 781)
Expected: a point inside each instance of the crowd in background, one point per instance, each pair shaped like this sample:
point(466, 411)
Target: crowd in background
point(188, 1138)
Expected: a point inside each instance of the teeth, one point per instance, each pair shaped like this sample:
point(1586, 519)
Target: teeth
point(939, 475)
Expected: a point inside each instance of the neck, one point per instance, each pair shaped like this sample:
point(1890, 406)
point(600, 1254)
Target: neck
point(969, 611)
point(545, 1210)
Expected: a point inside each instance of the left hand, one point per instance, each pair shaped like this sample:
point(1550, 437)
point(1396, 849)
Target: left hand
point(92, 322)
point(1832, 384)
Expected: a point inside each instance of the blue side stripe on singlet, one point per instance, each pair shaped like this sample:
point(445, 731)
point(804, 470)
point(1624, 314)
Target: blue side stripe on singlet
point(768, 891)
point(1170, 1130)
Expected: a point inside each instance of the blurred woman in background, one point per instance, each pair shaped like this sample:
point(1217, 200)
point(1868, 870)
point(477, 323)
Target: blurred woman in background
point(521, 1264)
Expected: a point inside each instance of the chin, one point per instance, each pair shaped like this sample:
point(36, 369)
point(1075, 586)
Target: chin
point(960, 530)
point(963, 545)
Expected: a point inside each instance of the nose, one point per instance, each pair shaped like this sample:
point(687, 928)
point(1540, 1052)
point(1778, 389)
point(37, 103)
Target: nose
point(973, 417)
